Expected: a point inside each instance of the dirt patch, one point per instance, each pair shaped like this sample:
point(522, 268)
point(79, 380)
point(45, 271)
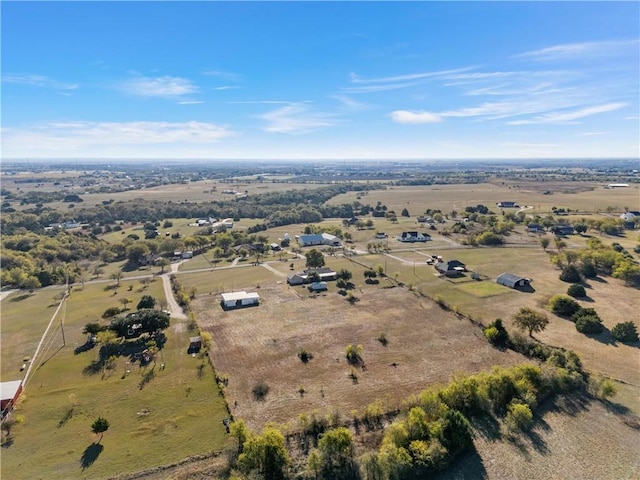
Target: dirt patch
point(426, 345)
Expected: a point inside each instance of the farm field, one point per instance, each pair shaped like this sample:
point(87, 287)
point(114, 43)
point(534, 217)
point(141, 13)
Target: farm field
point(157, 415)
point(575, 195)
point(262, 343)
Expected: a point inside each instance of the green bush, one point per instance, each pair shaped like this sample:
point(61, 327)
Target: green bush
point(519, 417)
point(588, 269)
point(497, 334)
point(571, 274)
point(576, 291)
point(589, 324)
point(111, 312)
point(563, 305)
point(625, 332)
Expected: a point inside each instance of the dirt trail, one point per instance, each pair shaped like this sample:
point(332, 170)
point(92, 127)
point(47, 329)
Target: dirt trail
point(173, 307)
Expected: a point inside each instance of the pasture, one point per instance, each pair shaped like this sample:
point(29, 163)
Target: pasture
point(157, 415)
point(262, 344)
point(581, 196)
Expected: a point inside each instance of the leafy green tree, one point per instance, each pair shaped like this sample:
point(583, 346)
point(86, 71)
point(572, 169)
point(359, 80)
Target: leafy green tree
point(405, 213)
point(497, 334)
point(137, 252)
point(266, 455)
point(337, 449)
point(370, 275)
point(93, 328)
point(544, 242)
point(147, 301)
point(315, 258)
point(625, 332)
point(344, 274)
point(529, 319)
point(571, 274)
point(100, 425)
point(577, 291)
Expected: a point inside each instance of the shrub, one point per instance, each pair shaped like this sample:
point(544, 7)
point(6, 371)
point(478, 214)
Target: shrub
point(519, 417)
point(382, 338)
point(589, 324)
point(497, 334)
point(576, 291)
point(354, 354)
point(260, 391)
point(305, 356)
point(625, 332)
point(588, 269)
point(563, 305)
point(571, 274)
point(111, 312)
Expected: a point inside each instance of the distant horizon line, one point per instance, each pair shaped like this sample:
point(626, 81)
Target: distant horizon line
point(317, 159)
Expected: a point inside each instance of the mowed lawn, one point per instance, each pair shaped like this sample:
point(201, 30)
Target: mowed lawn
point(157, 416)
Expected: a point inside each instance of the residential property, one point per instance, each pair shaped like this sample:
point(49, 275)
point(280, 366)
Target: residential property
point(562, 230)
point(9, 393)
point(618, 185)
point(325, 274)
point(452, 268)
point(512, 281)
point(535, 228)
point(275, 247)
point(410, 237)
point(239, 299)
point(507, 205)
point(318, 239)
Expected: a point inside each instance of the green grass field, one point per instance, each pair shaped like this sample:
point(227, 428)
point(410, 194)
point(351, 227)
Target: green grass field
point(157, 416)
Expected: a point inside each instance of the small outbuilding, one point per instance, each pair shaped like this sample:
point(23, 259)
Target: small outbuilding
point(452, 268)
point(195, 344)
point(9, 393)
point(513, 281)
point(318, 286)
point(239, 299)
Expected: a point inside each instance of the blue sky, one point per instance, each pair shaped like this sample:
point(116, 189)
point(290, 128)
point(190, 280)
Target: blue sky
point(320, 80)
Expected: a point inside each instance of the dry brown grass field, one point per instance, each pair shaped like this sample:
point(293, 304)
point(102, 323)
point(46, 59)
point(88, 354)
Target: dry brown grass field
point(262, 344)
point(582, 196)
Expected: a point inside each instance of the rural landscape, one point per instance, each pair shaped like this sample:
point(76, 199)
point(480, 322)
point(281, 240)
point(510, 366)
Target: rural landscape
point(320, 320)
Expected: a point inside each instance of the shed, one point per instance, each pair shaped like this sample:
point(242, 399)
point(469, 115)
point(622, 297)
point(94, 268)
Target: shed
point(452, 268)
point(512, 281)
point(296, 279)
point(9, 391)
point(318, 286)
point(239, 299)
point(195, 344)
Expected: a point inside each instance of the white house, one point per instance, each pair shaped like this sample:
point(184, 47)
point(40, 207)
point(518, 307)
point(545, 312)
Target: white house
point(318, 239)
point(239, 299)
point(414, 237)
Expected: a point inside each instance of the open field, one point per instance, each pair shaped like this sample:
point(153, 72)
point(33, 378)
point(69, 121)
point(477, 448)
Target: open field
point(581, 196)
point(157, 415)
point(573, 439)
point(262, 343)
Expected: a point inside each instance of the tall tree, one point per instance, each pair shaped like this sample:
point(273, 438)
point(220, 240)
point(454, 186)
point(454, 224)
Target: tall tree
point(529, 319)
point(265, 454)
point(315, 258)
point(100, 425)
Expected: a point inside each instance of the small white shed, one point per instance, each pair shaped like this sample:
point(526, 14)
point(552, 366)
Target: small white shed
point(239, 299)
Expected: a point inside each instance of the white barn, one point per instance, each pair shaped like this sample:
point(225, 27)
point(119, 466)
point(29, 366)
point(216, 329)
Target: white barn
point(239, 299)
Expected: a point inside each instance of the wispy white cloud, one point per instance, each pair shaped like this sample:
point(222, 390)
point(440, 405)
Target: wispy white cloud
point(229, 76)
point(632, 117)
point(297, 118)
point(405, 116)
point(226, 87)
point(592, 134)
point(583, 50)
point(350, 103)
point(75, 135)
point(190, 102)
point(165, 86)
point(408, 77)
point(39, 81)
point(260, 102)
point(528, 145)
point(571, 116)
